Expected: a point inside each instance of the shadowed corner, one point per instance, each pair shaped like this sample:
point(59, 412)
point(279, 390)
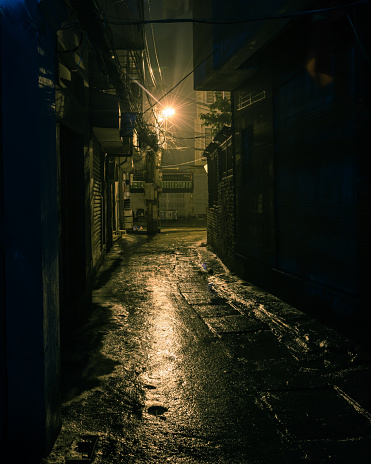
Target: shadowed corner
point(108, 268)
point(82, 363)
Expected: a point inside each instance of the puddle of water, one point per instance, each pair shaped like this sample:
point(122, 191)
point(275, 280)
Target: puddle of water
point(157, 410)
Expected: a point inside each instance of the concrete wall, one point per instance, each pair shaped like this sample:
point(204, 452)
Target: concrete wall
point(300, 223)
point(48, 205)
point(180, 202)
point(254, 172)
point(216, 44)
point(316, 169)
point(200, 195)
point(137, 201)
point(30, 400)
point(302, 189)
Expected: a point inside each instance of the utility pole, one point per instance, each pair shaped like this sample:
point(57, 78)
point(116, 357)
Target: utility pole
point(153, 182)
point(151, 190)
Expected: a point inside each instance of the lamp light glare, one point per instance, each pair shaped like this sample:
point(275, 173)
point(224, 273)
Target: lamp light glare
point(168, 112)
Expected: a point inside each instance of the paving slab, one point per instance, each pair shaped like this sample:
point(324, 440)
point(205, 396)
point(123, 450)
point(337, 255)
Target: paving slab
point(179, 364)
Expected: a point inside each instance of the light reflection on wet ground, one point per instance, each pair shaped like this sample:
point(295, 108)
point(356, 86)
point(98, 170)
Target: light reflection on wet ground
point(180, 364)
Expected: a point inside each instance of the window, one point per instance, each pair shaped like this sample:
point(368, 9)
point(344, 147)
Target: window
point(210, 97)
point(137, 185)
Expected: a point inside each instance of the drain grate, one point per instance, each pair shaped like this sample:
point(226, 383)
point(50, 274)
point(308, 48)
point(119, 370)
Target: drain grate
point(83, 449)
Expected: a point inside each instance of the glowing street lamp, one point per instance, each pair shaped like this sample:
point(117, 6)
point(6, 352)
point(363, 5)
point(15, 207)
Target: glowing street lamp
point(167, 112)
point(163, 117)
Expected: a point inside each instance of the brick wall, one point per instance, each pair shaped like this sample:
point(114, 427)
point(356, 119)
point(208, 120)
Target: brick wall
point(220, 223)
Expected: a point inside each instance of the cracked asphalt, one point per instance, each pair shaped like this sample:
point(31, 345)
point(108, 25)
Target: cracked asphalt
point(181, 361)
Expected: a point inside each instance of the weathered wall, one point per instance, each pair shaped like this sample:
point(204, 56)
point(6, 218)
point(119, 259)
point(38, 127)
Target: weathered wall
point(221, 49)
point(200, 196)
point(220, 223)
point(300, 206)
point(254, 155)
point(180, 202)
point(362, 71)
point(316, 192)
point(30, 401)
point(315, 169)
point(73, 262)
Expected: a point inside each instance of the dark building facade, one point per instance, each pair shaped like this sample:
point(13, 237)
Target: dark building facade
point(301, 112)
point(63, 171)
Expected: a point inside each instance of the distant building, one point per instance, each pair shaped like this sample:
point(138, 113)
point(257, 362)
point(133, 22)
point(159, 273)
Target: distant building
point(183, 194)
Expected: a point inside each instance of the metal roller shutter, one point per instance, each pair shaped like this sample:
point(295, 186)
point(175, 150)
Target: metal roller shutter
point(97, 229)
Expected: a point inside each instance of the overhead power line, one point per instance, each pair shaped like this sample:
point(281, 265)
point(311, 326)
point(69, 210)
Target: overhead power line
point(181, 80)
point(154, 45)
point(183, 164)
point(291, 15)
point(262, 18)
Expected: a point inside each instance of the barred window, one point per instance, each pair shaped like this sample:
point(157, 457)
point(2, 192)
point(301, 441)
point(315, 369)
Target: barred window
point(210, 96)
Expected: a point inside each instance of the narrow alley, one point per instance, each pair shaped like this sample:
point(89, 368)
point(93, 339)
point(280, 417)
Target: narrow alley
point(185, 231)
point(181, 361)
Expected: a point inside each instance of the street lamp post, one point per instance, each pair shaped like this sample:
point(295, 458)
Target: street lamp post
point(153, 178)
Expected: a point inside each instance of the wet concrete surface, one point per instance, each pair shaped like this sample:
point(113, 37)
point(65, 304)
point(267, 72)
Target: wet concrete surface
point(181, 361)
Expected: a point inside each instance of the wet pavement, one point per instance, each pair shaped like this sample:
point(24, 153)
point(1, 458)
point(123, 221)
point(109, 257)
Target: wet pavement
point(181, 361)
